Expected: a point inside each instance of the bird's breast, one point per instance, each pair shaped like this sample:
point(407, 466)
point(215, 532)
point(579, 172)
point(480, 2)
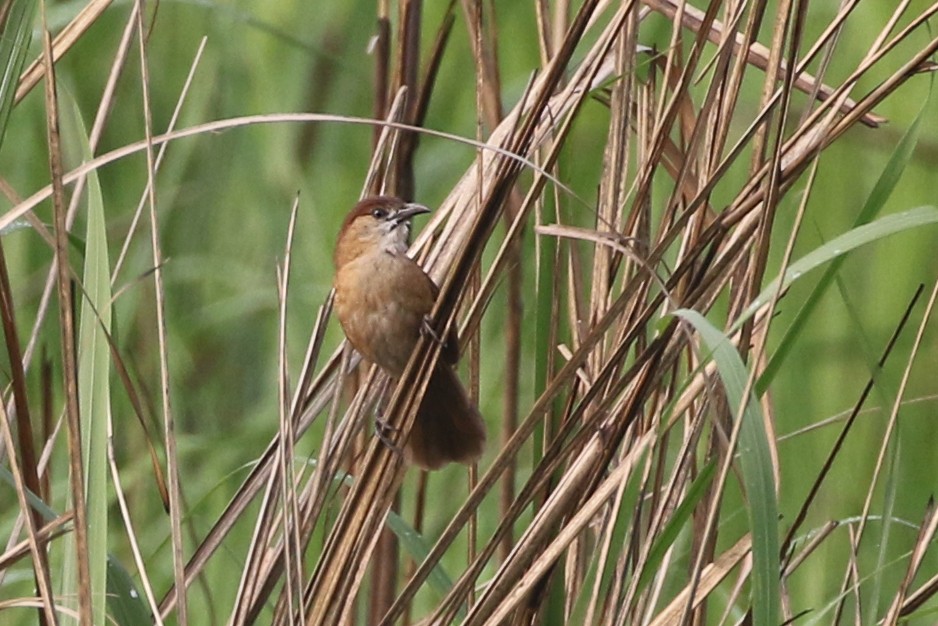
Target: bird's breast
point(381, 301)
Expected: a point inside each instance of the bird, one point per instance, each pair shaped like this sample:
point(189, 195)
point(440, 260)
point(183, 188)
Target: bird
point(383, 300)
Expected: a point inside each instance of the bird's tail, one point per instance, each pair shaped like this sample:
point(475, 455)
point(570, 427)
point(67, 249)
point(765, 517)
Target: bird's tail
point(448, 427)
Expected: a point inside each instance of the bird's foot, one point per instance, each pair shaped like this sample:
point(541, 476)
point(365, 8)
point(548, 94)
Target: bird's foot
point(384, 431)
point(426, 329)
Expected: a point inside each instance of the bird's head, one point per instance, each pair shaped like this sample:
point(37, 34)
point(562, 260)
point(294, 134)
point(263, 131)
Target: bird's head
point(376, 224)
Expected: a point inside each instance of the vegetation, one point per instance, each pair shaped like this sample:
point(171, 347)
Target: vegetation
point(694, 293)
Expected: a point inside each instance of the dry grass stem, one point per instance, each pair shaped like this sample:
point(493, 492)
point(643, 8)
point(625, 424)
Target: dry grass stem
point(616, 329)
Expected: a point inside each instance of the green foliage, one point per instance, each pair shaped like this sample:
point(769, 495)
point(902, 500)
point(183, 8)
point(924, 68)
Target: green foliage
point(756, 465)
point(223, 200)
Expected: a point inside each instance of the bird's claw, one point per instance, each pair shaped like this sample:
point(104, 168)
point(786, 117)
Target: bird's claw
point(426, 329)
point(384, 430)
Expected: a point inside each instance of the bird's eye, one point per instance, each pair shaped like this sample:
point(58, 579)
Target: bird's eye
point(379, 214)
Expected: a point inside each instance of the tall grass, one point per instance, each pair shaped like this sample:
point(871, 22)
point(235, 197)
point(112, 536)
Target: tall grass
point(687, 248)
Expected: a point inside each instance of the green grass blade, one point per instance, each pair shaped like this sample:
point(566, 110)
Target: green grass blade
point(34, 501)
point(678, 520)
point(839, 246)
point(14, 44)
point(94, 362)
point(546, 248)
point(756, 466)
point(882, 190)
point(417, 548)
point(125, 604)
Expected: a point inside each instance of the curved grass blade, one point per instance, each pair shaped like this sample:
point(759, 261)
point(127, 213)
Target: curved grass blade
point(756, 469)
point(837, 247)
point(882, 190)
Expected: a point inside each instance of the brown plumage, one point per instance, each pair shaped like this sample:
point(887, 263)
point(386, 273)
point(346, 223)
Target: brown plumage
point(382, 298)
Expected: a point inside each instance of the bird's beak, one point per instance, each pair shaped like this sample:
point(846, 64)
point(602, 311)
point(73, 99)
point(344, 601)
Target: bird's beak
point(411, 209)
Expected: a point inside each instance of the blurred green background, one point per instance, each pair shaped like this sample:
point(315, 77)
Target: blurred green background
point(224, 203)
